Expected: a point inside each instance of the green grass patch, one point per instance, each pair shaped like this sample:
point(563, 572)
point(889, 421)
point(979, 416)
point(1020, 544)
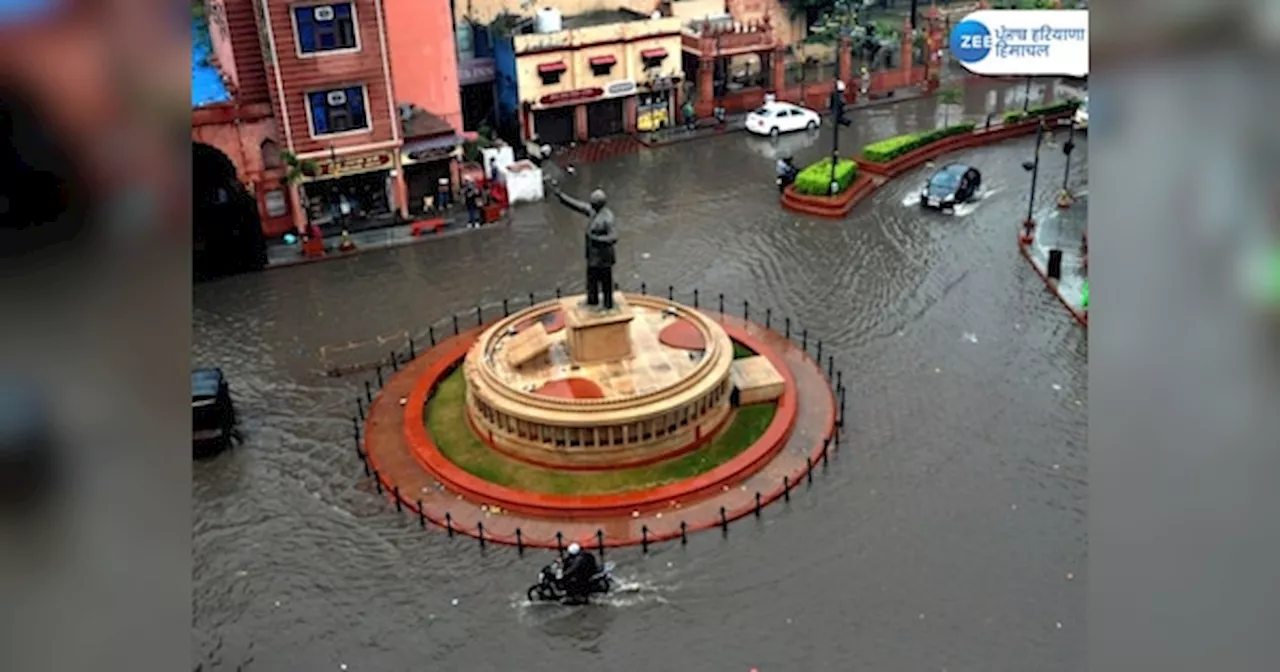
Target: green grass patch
point(815, 180)
point(886, 150)
point(741, 351)
point(447, 423)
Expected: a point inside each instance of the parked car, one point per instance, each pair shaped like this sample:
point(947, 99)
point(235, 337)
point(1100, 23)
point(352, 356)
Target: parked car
point(213, 417)
point(774, 118)
point(1081, 118)
point(955, 183)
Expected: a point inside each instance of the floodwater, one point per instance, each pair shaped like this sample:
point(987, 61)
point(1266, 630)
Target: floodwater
point(949, 533)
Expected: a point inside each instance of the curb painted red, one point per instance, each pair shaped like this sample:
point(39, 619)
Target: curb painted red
point(977, 138)
point(1080, 316)
point(622, 504)
point(872, 175)
point(836, 207)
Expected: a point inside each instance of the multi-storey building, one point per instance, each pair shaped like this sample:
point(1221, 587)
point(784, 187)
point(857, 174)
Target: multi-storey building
point(329, 75)
point(592, 75)
point(374, 137)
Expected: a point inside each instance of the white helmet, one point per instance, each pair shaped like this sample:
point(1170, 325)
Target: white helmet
point(574, 548)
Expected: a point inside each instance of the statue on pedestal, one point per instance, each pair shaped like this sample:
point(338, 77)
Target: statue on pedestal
point(601, 236)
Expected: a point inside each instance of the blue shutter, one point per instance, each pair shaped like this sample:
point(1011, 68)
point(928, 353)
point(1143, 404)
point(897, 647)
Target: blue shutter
point(355, 103)
point(319, 112)
point(306, 29)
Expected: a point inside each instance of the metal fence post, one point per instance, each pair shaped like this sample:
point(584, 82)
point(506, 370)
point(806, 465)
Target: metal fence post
point(768, 318)
point(431, 331)
point(721, 304)
point(380, 383)
point(479, 316)
point(695, 297)
point(455, 324)
point(506, 310)
point(746, 310)
point(422, 516)
point(448, 523)
point(395, 491)
point(788, 332)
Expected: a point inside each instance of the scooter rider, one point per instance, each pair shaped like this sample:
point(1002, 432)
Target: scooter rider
point(579, 568)
point(786, 171)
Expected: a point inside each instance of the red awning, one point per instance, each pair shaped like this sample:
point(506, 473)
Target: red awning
point(558, 66)
point(602, 60)
point(653, 53)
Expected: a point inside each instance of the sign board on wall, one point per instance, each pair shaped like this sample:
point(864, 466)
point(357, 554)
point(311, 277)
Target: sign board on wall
point(354, 164)
point(475, 71)
point(574, 96)
point(622, 87)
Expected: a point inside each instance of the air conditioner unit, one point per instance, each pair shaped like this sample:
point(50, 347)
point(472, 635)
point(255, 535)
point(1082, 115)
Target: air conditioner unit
point(337, 97)
point(323, 13)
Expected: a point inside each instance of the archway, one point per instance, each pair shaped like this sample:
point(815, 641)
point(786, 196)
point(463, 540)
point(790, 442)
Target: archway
point(226, 230)
point(43, 201)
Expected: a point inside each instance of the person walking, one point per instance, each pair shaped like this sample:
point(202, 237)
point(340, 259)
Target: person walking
point(690, 119)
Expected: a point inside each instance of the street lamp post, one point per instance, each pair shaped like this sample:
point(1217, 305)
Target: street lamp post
point(1029, 224)
point(1026, 95)
point(1065, 197)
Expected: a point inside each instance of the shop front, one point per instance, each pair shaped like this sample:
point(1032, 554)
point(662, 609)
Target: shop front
point(555, 116)
point(426, 162)
point(351, 193)
point(657, 104)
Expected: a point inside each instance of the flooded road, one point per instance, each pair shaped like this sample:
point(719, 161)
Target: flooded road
point(950, 533)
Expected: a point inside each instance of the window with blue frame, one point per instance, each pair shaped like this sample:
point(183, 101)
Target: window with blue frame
point(324, 28)
point(338, 110)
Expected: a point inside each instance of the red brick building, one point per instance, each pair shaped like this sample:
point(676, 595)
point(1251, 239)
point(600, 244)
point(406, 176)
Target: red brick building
point(314, 80)
point(329, 78)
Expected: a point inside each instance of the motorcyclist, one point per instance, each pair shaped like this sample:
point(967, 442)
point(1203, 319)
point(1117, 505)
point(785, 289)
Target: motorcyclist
point(579, 567)
point(786, 171)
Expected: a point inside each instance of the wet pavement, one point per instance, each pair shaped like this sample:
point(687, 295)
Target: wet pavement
point(951, 534)
point(1064, 230)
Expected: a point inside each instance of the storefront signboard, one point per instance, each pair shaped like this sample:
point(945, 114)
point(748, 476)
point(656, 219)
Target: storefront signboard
point(475, 71)
point(575, 96)
point(354, 164)
point(620, 88)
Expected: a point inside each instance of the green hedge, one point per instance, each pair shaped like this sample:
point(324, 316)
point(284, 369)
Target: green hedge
point(815, 179)
point(1014, 116)
point(891, 148)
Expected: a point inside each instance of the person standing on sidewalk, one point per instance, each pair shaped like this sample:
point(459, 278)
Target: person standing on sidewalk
point(690, 119)
point(471, 196)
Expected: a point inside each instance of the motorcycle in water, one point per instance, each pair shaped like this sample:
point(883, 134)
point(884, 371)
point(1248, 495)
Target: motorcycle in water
point(549, 589)
point(783, 180)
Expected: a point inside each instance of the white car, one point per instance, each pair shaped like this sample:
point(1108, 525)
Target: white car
point(774, 118)
point(1081, 118)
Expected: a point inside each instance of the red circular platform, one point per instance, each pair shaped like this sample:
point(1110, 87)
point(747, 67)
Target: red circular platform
point(682, 334)
point(409, 465)
point(571, 388)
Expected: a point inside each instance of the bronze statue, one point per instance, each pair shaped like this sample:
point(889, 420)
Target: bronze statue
point(601, 236)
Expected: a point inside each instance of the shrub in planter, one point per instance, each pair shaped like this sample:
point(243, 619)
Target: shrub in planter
point(1015, 116)
point(815, 179)
point(891, 148)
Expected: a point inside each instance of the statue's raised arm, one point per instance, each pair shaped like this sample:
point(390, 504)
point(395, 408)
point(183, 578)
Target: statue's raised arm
point(573, 203)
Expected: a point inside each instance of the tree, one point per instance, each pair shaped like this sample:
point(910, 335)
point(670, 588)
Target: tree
point(947, 98)
point(296, 170)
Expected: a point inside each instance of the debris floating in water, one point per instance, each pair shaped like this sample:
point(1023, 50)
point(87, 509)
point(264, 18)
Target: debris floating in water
point(1056, 387)
point(645, 255)
point(1070, 576)
point(455, 601)
point(970, 336)
point(342, 666)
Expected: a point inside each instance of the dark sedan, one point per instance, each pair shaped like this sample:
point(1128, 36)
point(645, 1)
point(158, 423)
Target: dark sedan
point(956, 183)
point(213, 417)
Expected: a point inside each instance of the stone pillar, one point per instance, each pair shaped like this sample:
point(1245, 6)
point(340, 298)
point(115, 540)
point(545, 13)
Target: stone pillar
point(706, 85)
point(399, 188)
point(844, 66)
point(629, 114)
point(580, 122)
point(295, 208)
point(779, 75)
point(908, 51)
